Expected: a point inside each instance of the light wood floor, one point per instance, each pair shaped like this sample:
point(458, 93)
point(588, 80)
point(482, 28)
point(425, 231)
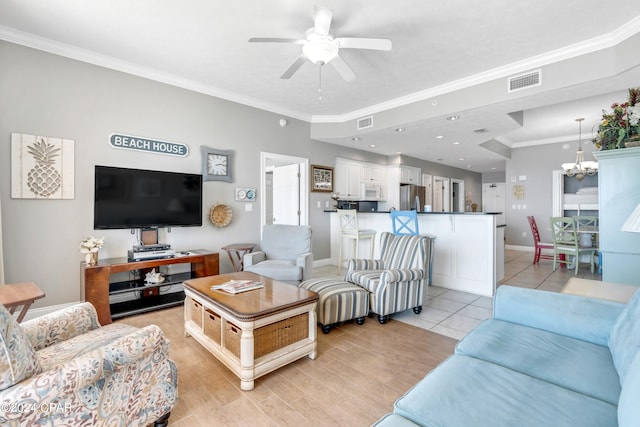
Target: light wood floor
point(358, 374)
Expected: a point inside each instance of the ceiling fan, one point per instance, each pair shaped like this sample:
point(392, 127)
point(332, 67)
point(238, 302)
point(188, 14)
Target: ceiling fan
point(320, 47)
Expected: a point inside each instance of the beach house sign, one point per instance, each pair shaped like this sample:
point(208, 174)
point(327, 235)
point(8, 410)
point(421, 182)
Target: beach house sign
point(137, 143)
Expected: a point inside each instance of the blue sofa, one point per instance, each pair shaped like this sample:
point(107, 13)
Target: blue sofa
point(544, 359)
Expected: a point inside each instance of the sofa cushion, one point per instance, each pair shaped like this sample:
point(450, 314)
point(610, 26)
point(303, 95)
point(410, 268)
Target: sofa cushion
point(403, 251)
point(282, 269)
point(628, 408)
point(567, 362)
point(67, 350)
point(368, 279)
point(280, 241)
point(464, 391)
point(624, 340)
point(18, 359)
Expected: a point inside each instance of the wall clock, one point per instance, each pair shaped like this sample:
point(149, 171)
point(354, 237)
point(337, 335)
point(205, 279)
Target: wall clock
point(216, 164)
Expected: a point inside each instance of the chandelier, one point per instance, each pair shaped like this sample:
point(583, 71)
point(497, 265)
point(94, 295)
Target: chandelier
point(581, 167)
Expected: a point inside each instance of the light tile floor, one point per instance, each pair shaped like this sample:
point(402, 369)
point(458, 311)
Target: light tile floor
point(454, 313)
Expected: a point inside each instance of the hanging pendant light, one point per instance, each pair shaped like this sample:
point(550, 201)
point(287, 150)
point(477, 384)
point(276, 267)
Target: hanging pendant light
point(581, 167)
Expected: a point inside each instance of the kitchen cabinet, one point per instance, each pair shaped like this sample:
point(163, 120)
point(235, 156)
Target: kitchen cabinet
point(410, 175)
point(350, 174)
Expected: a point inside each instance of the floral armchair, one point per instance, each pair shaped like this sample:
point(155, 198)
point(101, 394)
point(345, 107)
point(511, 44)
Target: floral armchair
point(65, 369)
point(397, 281)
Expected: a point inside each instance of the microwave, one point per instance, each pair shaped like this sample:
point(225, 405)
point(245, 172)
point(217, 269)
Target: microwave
point(370, 191)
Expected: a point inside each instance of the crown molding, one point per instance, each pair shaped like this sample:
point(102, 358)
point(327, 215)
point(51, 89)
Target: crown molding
point(601, 42)
point(88, 56)
point(582, 48)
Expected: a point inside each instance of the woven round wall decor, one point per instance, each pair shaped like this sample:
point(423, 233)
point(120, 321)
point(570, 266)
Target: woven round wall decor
point(220, 215)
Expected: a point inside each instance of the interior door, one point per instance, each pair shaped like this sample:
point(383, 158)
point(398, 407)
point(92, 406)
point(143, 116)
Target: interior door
point(441, 201)
point(284, 185)
point(286, 194)
point(494, 200)
point(427, 183)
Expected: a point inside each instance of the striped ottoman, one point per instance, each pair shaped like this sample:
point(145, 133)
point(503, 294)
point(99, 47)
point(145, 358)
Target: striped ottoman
point(339, 301)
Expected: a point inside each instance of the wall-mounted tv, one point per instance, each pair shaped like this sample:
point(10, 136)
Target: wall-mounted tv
point(137, 198)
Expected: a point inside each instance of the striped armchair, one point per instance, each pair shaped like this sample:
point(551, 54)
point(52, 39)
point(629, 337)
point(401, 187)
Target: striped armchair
point(396, 282)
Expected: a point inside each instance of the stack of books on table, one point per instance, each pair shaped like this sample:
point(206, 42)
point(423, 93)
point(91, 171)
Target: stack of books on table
point(237, 286)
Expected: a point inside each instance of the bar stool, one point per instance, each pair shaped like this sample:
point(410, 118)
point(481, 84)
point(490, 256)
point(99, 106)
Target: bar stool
point(349, 230)
point(405, 223)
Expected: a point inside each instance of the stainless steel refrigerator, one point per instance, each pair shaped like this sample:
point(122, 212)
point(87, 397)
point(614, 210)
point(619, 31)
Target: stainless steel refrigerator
point(412, 197)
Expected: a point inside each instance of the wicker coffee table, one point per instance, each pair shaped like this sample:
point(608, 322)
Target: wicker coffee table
point(254, 332)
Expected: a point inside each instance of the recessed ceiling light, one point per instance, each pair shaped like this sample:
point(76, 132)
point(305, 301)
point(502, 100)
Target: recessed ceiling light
point(439, 136)
point(372, 145)
point(355, 138)
point(400, 129)
point(461, 158)
point(468, 166)
point(456, 142)
point(452, 118)
point(493, 168)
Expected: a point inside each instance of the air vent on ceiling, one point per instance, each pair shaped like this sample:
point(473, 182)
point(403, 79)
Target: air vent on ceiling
point(479, 131)
point(524, 81)
point(365, 122)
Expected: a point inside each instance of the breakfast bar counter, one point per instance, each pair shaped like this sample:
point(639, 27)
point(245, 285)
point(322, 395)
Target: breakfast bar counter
point(468, 250)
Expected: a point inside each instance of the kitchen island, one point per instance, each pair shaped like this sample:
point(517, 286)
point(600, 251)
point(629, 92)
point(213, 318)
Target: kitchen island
point(468, 250)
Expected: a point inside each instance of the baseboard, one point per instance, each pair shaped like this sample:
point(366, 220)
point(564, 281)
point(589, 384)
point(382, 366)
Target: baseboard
point(41, 311)
point(520, 248)
point(323, 262)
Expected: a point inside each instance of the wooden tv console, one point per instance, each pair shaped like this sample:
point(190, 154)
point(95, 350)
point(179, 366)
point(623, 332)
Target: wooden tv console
point(97, 285)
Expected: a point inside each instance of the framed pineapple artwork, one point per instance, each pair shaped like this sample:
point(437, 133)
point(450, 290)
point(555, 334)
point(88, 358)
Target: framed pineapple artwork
point(42, 167)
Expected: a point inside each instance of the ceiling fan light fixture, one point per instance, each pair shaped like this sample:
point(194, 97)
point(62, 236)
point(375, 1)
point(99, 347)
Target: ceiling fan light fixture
point(320, 52)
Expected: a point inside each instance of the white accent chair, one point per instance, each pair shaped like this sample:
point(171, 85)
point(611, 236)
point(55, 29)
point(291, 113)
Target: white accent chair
point(285, 253)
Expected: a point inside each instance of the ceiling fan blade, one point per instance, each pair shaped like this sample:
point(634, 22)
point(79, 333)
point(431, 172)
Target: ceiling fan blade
point(343, 69)
point(294, 67)
point(322, 20)
point(363, 43)
point(275, 40)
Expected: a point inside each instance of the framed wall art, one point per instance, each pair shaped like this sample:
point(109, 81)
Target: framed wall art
point(217, 164)
point(321, 178)
point(42, 167)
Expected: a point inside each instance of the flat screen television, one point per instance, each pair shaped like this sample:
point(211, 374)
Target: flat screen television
point(137, 198)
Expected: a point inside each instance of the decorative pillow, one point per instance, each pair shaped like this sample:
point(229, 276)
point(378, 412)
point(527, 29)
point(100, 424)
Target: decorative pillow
point(18, 359)
point(624, 341)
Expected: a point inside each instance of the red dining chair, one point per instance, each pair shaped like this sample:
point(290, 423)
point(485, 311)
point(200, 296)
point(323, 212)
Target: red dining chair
point(539, 246)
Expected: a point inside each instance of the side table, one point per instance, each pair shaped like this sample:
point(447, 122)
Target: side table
point(236, 253)
point(23, 294)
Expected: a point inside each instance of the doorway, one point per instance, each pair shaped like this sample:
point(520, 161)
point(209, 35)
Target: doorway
point(457, 195)
point(494, 200)
point(283, 183)
point(441, 201)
